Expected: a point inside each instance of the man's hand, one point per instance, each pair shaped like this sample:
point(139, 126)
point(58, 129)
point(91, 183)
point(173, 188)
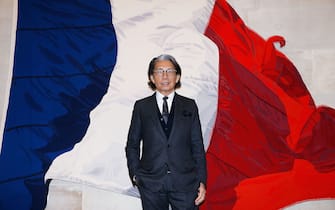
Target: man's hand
point(201, 194)
point(134, 181)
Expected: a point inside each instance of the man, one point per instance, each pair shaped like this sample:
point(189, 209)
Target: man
point(169, 168)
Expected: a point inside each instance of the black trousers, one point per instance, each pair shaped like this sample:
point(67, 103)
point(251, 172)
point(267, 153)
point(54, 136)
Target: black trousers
point(166, 196)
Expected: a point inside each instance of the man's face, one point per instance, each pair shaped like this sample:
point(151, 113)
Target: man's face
point(164, 77)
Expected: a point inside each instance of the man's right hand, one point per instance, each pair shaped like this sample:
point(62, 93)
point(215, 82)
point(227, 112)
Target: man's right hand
point(134, 181)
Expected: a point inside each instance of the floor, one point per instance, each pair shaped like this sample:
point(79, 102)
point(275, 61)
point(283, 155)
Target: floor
point(72, 196)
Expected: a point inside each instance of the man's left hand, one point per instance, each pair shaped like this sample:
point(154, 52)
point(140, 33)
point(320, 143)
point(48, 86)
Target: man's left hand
point(201, 194)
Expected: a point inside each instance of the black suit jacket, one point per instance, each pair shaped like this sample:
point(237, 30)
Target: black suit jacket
point(181, 154)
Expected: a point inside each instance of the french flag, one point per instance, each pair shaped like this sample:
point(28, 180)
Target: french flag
point(80, 65)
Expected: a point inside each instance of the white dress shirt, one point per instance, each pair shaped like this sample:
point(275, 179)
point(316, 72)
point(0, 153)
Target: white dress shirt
point(159, 99)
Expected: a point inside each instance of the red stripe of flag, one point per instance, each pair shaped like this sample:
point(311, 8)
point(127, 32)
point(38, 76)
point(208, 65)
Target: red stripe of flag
point(271, 146)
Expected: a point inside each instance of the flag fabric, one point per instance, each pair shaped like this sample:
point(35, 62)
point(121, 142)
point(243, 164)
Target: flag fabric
point(80, 65)
point(142, 33)
point(271, 146)
point(64, 55)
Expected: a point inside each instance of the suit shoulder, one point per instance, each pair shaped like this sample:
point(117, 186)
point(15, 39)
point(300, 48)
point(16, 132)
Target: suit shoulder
point(144, 100)
point(185, 99)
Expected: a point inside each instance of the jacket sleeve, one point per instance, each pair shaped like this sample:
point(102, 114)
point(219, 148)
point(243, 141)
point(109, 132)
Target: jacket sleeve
point(198, 150)
point(133, 142)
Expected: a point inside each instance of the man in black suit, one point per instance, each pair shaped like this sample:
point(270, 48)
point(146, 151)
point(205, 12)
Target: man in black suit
point(169, 168)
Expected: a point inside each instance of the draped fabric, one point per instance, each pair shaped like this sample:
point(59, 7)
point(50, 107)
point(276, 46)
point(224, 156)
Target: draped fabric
point(142, 33)
point(64, 56)
point(271, 146)
point(78, 70)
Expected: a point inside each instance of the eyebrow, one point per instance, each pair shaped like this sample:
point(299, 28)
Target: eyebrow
point(162, 67)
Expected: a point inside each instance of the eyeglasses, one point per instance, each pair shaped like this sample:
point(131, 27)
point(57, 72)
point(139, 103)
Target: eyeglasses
point(160, 71)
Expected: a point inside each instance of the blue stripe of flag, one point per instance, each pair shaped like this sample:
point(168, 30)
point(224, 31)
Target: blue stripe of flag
point(64, 56)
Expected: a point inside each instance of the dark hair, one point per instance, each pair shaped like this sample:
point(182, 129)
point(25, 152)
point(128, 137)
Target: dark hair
point(163, 57)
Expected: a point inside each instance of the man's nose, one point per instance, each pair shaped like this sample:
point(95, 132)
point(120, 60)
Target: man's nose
point(165, 74)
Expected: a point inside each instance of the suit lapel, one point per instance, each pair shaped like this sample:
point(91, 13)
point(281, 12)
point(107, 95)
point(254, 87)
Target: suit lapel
point(177, 114)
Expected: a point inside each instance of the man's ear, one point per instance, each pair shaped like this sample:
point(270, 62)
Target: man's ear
point(178, 78)
point(152, 79)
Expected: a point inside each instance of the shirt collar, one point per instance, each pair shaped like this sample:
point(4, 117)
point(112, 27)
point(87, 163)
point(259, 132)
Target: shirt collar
point(159, 99)
point(160, 96)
